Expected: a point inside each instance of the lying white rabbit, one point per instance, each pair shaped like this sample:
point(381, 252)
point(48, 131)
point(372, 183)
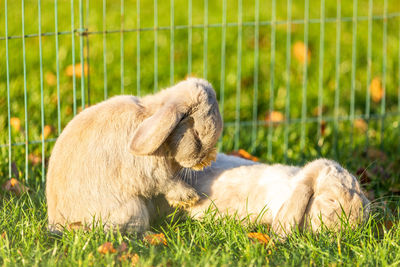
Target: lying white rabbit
point(115, 155)
point(279, 195)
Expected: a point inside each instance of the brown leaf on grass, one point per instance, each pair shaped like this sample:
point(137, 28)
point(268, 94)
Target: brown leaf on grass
point(69, 71)
point(383, 227)
point(376, 89)
point(106, 248)
point(274, 116)
point(318, 109)
point(260, 237)
point(323, 127)
point(47, 130)
point(241, 153)
point(262, 41)
point(3, 235)
point(361, 125)
point(15, 124)
point(68, 110)
point(155, 239)
point(50, 78)
point(300, 52)
point(34, 159)
point(388, 224)
point(77, 226)
point(14, 186)
point(134, 258)
point(126, 256)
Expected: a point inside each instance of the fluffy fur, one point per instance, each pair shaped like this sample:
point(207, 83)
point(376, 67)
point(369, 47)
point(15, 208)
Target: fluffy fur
point(114, 156)
point(280, 195)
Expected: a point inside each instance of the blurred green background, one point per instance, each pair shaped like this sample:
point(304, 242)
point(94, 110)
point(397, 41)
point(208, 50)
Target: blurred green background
point(274, 104)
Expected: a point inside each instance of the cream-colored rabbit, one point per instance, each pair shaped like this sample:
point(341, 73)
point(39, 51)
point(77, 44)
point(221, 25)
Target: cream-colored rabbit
point(115, 155)
point(280, 195)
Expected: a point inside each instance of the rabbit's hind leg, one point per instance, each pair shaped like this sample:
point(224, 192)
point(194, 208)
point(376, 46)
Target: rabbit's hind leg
point(130, 217)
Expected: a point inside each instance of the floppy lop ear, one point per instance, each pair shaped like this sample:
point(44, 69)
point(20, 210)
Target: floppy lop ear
point(153, 131)
point(292, 211)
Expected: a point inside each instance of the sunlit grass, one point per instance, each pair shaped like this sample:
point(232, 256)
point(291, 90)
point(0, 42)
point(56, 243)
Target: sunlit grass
point(211, 241)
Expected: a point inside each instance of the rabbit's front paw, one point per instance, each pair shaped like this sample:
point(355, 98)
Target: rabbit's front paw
point(185, 200)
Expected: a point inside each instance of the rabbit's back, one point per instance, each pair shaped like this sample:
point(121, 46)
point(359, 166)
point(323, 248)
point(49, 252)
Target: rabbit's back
point(91, 155)
point(241, 187)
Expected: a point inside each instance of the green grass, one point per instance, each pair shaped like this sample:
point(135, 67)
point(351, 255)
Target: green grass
point(211, 241)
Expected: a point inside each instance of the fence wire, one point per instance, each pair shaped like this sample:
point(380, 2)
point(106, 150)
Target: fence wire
point(288, 73)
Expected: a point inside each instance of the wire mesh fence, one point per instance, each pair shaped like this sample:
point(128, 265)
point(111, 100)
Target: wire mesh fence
point(295, 79)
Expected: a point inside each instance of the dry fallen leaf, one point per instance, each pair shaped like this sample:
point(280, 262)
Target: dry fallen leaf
point(134, 258)
point(68, 110)
point(14, 186)
point(299, 52)
point(47, 130)
point(155, 239)
point(50, 78)
point(319, 109)
point(107, 247)
point(34, 159)
point(323, 127)
point(77, 226)
point(260, 237)
point(15, 124)
point(274, 116)
point(376, 89)
point(3, 235)
point(78, 70)
point(388, 224)
point(361, 125)
point(241, 153)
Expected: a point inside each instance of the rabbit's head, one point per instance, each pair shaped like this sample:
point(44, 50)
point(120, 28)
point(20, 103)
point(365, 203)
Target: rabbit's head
point(324, 193)
point(186, 126)
point(337, 199)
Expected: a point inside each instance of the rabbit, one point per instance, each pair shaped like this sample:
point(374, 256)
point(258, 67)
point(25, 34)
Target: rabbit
point(114, 156)
point(281, 196)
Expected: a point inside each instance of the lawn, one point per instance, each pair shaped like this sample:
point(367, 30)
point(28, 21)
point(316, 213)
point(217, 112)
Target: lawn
point(343, 103)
